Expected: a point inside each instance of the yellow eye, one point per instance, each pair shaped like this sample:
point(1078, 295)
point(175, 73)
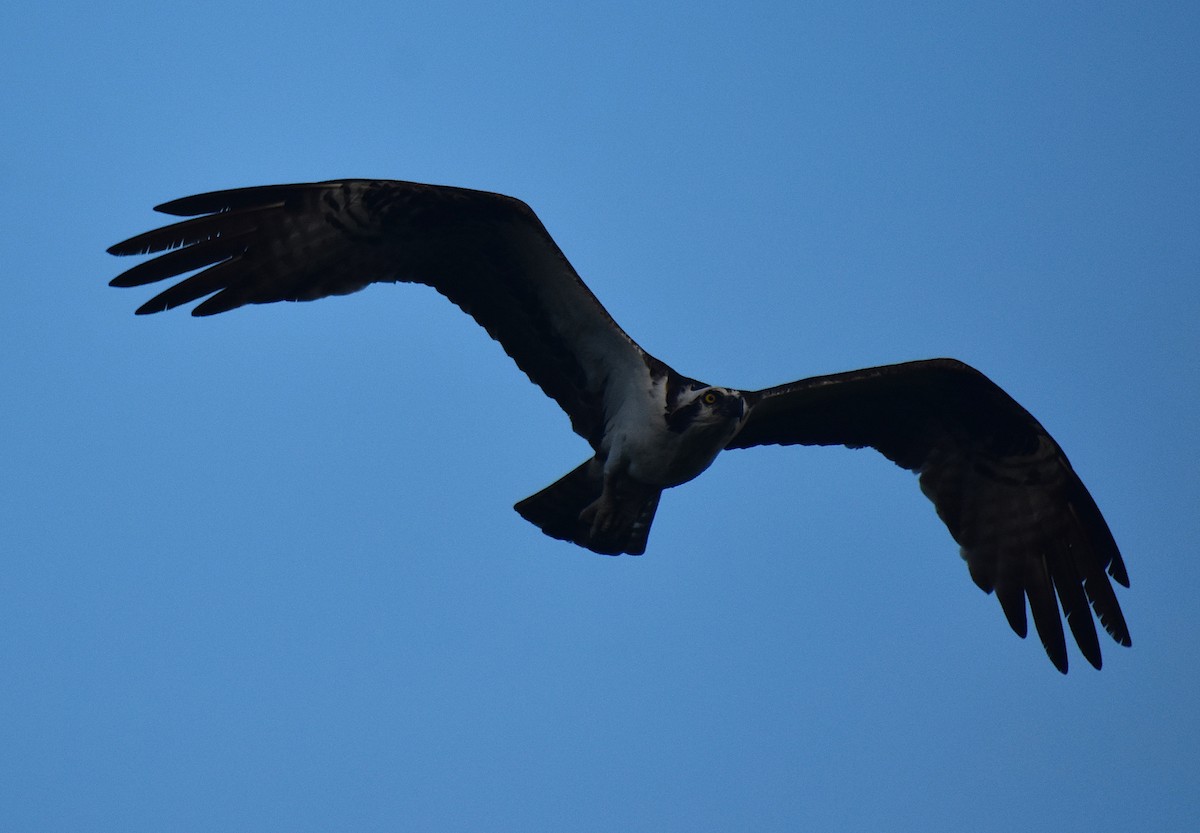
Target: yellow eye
point(709, 398)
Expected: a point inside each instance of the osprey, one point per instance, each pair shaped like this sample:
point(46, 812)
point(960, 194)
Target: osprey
point(1025, 523)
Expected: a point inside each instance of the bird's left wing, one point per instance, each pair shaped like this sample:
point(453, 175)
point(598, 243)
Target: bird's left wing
point(1026, 525)
point(487, 253)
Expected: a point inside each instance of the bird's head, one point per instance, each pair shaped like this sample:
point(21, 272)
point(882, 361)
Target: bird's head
point(706, 407)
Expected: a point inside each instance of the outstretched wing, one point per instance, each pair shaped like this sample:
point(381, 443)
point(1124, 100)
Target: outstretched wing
point(1025, 522)
point(487, 253)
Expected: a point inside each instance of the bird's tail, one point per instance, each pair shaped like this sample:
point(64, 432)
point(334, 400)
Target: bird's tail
point(619, 524)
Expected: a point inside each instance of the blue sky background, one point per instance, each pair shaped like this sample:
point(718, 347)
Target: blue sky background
point(261, 571)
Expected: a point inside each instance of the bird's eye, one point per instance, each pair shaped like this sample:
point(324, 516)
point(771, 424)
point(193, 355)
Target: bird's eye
point(709, 398)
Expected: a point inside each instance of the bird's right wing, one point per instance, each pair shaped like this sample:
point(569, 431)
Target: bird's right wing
point(487, 253)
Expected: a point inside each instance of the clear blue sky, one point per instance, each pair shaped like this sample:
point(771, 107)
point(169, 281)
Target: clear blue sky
point(261, 571)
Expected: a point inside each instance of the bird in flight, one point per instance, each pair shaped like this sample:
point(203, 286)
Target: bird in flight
point(1024, 522)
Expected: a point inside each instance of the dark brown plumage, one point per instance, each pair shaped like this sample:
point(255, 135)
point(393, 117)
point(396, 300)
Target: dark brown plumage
point(1025, 523)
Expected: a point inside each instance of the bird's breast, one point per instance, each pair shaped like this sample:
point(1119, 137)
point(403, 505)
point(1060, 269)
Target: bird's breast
point(652, 453)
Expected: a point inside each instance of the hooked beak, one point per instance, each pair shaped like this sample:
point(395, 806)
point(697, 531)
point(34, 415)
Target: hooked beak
point(734, 407)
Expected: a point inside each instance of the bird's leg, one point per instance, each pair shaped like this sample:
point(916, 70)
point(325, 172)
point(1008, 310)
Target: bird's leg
point(599, 513)
point(619, 506)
